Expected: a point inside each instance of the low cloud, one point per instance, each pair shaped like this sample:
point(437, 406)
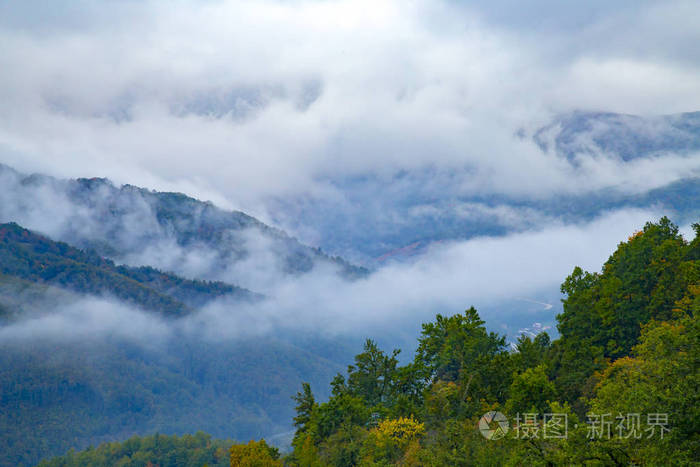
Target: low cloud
point(249, 103)
point(450, 277)
point(241, 101)
point(86, 319)
point(493, 274)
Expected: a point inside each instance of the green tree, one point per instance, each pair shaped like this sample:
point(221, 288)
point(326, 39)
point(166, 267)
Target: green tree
point(604, 312)
point(306, 404)
point(661, 378)
point(531, 352)
point(372, 376)
point(531, 391)
point(459, 349)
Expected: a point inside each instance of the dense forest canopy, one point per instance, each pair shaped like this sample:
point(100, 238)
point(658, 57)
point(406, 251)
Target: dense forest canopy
point(156, 450)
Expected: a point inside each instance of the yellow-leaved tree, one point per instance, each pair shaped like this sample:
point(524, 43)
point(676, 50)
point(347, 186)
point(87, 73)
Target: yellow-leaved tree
point(254, 454)
point(392, 440)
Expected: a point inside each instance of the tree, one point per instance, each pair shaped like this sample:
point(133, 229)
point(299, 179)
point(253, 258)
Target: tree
point(306, 404)
point(372, 375)
point(662, 378)
point(254, 454)
point(531, 391)
point(459, 349)
point(629, 344)
point(531, 352)
point(389, 441)
point(604, 312)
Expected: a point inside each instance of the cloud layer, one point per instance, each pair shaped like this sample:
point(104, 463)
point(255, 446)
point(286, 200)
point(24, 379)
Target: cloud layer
point(245, 103)
point(500, 276)
point(240, 101)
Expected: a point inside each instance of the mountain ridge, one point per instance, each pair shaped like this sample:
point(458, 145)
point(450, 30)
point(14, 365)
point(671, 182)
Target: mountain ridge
point(35, 258)
point(139, 226)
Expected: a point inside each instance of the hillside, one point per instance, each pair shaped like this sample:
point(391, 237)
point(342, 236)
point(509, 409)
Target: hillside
point(170, 231)
point(61, 394)
point(625, 136)
point(392, 212)
point(31, 257)
point(60, 388)
point(156, 450)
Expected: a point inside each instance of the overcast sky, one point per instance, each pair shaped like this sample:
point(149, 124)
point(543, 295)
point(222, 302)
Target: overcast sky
point(239, 101)
point(243, 101)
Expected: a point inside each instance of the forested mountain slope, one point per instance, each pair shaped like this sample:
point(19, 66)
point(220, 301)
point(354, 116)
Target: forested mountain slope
point(156, 450)
point(35, 258)
point(61, 394)
point(65, 381)
point(170, 231)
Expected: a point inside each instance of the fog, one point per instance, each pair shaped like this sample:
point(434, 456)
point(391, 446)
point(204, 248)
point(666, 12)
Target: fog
point(272, 106)
point(238, 102)
point(488, 273)
point(502, 276)
point(87, 319)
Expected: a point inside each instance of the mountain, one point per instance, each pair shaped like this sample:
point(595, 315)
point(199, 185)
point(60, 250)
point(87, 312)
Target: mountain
point(66, 382)
point(76, 252)
point(170, 231)
point(619, 386)
point(625, 136)
point(395, 215)
point(35, 258)
point(57, 394)
point(162, 260)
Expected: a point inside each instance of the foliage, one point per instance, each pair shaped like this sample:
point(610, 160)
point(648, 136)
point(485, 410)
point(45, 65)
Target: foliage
point(605, 312)
point(629, 344)
point(390, 440)
point(531, 391)
point(254, 454)
point(34, 258)
point(150, 451)
point(58, 395)
point(662, 377)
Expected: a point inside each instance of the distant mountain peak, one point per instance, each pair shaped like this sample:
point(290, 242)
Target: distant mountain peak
point(139, 226)
point(620, 135)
